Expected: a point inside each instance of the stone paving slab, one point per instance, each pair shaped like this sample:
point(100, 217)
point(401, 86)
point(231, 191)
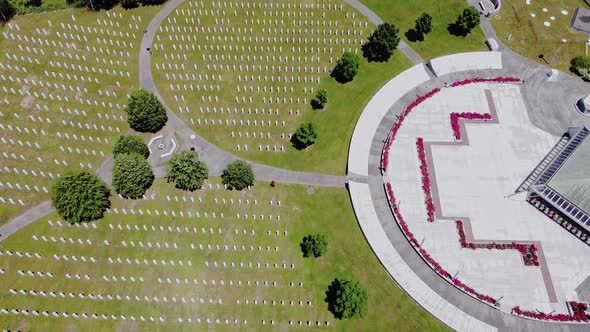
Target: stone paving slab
point(400, 271)
point(466, 61)
point(374, 112)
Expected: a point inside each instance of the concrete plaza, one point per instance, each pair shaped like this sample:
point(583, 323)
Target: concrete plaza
point(475, 181)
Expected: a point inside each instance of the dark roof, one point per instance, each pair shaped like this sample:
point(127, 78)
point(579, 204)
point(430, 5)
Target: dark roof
point(572, 179)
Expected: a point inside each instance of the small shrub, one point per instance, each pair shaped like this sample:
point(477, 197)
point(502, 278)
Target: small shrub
point(346, 67)
point(131, 144)
point(305, 135)
point(238, 175)
point(314, 245)
point(320, 100)
point(347, 299)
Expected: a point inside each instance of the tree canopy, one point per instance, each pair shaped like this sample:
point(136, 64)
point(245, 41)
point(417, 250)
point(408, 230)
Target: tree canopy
point(97, 5)
point(423, 26)
point(320, 100)
point(132, 175)
point(347, 299)
point(238, 175)
point(7, 11)
point(79, 196)
point(305, 135)
point(381, 43)
point(187, 171)
point(145, 113)
point(466, 21)
point(581, 66)
point(131, 144)
point(315, 245)
point(346, 67)
point(129, 4)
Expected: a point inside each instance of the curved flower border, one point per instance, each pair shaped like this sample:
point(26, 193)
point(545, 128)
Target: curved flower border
point(410, 236)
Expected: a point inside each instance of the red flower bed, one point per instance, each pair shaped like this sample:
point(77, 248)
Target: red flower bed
point(465, 115)
point(528, 251)
point(471, 291)
point(398, 124)
point(425, 180)
point(483, 80)
point(580, 316)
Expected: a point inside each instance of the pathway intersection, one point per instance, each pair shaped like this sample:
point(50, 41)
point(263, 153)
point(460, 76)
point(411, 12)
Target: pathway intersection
point(452, 306)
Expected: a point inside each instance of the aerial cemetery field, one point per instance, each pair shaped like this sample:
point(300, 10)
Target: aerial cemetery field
point(241, 75)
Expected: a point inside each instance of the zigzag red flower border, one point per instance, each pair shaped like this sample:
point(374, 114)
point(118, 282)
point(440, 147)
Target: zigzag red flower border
point(435, 199)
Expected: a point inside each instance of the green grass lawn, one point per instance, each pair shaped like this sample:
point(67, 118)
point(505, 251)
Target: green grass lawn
point(280, 81)
point(348, 256)
point(439, 42)
point(336, 121)
point(64, 130)
point(531, 38)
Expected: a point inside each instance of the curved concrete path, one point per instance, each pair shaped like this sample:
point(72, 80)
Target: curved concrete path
point(452, 306)
point(215, 157)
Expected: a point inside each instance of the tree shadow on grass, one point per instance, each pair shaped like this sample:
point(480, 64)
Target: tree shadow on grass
point(331, 295)
point(413, 35)
point(456, 30)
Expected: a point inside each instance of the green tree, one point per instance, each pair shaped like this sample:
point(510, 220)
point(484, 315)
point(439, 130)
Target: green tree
point(152, 2)
point(305, 135)
point(315, 245)
point(132, 175)
point(381, 43)
point(187, 171)
point(79, 196)
point(346, 67)
point(145, 113)
point(129, 4)
point(131, 144)
point(7, 11)
point(97, 5)
point(581, 66)
point(466, 21)
point(423, 26)
point(320, 100)
point(238, 175)
point(347, 299)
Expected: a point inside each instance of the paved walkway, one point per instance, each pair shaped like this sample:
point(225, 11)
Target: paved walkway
point(452, 296)
point(215, 157)
point(549, 105)
point(25, 219)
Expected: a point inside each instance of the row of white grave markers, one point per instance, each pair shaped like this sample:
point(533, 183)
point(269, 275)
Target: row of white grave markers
point(275, 302)
point(250, 265)
point(27, 312)
point(117, 297)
